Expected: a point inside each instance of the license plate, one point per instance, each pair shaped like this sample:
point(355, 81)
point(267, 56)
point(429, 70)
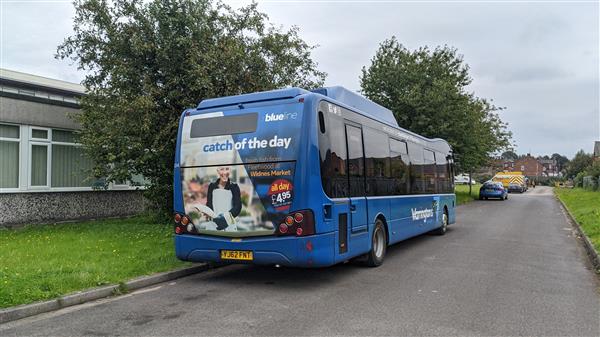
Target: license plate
point(490, 191)
point(245, 255)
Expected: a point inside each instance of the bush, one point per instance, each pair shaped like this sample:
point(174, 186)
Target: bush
point(578, 181)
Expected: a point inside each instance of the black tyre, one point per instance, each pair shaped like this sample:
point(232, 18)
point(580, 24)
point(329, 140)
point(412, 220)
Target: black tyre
point(378, 245)
point(444, 228)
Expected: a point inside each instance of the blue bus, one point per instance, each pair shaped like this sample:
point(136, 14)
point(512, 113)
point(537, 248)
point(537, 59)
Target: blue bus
point(304, 178)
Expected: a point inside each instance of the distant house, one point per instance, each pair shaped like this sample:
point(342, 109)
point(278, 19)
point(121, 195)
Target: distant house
point(597, 150)
point(530, 166)
point(550, 167)
point(42, 166)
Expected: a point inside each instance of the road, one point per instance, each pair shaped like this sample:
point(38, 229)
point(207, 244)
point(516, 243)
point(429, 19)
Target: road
point(505, 268)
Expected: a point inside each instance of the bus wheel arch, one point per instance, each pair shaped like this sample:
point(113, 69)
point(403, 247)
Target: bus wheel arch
point(381, 218)
point(445, 222)
point(379, 243)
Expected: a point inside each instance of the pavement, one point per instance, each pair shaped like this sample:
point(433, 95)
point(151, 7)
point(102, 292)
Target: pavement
point(509, 267)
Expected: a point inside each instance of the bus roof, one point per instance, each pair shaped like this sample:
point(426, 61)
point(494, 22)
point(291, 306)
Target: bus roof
point(340, 94)
point(254, 97)
point(360, 103)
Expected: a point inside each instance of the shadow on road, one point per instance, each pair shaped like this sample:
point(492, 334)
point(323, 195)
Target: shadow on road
point(299, 279)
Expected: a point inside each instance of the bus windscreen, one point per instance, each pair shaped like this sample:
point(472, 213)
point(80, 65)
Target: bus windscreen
point(237, 169)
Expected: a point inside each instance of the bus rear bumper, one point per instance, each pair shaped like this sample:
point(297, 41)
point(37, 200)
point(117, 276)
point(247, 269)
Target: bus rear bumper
point(308, 251)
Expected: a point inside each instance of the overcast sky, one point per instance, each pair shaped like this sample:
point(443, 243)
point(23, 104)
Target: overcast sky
point(540, 60)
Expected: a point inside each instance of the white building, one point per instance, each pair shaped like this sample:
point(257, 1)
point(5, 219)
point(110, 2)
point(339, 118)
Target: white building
point(42, 167)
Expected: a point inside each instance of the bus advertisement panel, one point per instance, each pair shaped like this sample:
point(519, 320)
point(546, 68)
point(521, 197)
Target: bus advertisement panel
point(237, 169)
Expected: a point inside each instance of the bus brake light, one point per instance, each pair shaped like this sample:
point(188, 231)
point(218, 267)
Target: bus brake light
point(289, 220)
point(177, 218)
point(283, 228)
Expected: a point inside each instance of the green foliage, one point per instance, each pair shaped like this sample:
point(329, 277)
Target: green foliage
point(509, 155)
point(146, 61)
point(561, 161)
point(462, 193)
point(578, 164)
point(44, 262)
point(585, 207)
point(482, 177)
point(578, 180)
point(426, 90)
point(594, 169)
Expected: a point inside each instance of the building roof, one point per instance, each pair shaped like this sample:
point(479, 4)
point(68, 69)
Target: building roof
point(40, 81)
point(597, 149)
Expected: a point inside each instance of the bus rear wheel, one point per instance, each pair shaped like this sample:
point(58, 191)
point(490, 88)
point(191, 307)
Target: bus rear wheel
point(378, 245)
point(444, 228)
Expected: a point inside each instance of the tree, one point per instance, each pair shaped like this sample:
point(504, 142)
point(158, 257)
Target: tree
point(561, 161)
point(578, 164)
point(509, 155)
point(426, 90)
point(148, 60)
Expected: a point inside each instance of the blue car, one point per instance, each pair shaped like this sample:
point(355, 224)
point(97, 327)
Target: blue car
point(493, 189)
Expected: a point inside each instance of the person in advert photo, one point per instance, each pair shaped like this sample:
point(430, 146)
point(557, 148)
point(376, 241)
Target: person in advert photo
point(223, 202)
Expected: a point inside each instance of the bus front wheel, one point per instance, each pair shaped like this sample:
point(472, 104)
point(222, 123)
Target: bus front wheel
point(378, 245)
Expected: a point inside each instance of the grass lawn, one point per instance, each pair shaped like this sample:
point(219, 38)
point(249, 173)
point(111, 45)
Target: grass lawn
point(462, 193)
point(44, 262)
point(585, 207)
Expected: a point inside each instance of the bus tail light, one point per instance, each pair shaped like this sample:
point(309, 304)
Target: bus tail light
point(300, 223)
point(181, 222)
point(283, 228)
point(289, 220)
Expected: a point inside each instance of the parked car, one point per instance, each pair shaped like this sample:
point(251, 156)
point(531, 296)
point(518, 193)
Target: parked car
point(492, 189)
point(463, 179)
point(516, 187)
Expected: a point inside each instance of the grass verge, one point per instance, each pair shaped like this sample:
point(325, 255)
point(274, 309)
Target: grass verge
point(585, 207)
point(462, 193)
point(45, 262)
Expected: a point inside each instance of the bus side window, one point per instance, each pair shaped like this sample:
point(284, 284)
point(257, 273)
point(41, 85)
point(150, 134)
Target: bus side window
point(321, 122)
point(443, 178)
point(356, 166)
point(417, 179)
point(377, 162)
point(429, 171)
point(332, 153)
point(399, 172)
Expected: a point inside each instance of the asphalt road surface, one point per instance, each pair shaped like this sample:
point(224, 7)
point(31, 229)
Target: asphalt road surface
point(505, 268)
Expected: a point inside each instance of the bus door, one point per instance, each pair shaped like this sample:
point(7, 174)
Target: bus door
point(356, 176)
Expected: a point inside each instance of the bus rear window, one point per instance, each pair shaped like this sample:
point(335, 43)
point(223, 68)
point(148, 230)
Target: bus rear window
point(225, 125)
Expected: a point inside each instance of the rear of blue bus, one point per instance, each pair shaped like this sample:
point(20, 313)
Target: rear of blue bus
point(241, 185)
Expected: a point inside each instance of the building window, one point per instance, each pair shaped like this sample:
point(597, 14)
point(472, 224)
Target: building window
point(9, 156)
point(39, 165)
point(69, 164)
point(39, 161)
point(39, 133)
point(49, 160)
